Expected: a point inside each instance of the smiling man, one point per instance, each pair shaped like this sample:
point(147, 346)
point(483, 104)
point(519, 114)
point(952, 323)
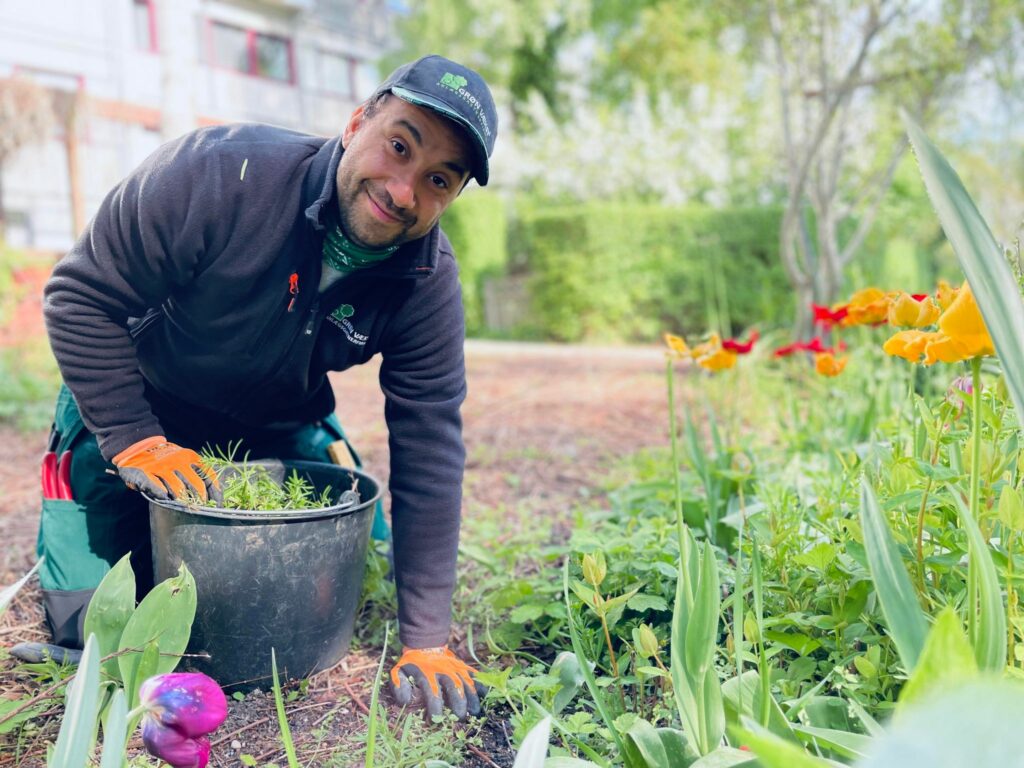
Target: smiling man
point(212, 293)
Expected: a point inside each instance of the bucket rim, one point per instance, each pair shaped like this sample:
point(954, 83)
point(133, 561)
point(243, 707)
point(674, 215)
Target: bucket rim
point(270, 515)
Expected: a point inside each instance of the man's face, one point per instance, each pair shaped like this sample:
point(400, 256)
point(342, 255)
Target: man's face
point(401, 168)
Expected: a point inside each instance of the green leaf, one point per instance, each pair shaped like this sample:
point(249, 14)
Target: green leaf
point(110, 608)
point(992, 282)
point(819, 556)
point(1011, 509)
point(282, 717)
point(643, 603)
point(802, 644)
point(990, 643)
point(750, 694)
point(702, 631)
point(947, 661)
point(903, 613)
point(852, 745)
point(526, 613)
point(566, 667)
point(726, 757)
point(773, 752)
point(115, 731)
point(165, 616)
point(149, 664)
point(645, 739)
point(78, 729)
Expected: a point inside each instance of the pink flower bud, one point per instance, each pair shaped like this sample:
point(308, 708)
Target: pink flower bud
point(181, 708)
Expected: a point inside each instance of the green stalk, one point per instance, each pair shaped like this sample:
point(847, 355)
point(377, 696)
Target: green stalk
point(972, 578)
point(675, 455)
point(924, 503)
point(1011, 595)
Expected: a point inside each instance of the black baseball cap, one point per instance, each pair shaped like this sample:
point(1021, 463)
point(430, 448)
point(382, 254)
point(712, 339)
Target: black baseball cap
point(458, 93)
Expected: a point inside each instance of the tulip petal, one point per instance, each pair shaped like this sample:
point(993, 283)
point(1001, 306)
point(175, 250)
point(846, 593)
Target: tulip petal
point(909, 345)
point(174, 747)
point(191, 702)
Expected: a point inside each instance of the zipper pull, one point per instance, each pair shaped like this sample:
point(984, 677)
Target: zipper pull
point(293, 289)
point(311, 323)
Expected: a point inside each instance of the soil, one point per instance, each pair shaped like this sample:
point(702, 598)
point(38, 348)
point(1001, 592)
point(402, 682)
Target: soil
point(542, 423)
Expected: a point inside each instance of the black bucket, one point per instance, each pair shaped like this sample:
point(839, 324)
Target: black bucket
point(283, 579)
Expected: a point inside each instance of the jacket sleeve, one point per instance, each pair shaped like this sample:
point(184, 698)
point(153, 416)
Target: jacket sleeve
point(145, 242)
point(424, 382)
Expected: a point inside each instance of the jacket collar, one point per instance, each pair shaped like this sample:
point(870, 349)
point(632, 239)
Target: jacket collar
point(417, 258)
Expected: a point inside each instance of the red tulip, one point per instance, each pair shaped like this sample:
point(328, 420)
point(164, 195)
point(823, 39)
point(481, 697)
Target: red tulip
point(828, 317)
point(741, 348)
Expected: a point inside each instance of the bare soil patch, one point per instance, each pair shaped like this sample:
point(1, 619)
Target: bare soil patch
point(541, 423)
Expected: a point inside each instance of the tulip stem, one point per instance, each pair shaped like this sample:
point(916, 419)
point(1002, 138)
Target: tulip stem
point(972, 584)
point(669, 374)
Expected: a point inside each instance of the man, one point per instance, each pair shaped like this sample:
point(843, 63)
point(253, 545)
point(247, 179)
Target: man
point(211, 294)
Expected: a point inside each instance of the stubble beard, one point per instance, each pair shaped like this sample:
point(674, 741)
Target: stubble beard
point(358, 229)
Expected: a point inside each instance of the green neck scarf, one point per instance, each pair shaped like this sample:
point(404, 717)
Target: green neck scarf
point(341, 254)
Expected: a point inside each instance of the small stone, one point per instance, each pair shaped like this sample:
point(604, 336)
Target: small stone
point(236, 744)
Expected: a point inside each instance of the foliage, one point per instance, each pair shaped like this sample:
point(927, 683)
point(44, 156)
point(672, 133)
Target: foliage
point(250, 486)
point(477, 226)
point(623, 271)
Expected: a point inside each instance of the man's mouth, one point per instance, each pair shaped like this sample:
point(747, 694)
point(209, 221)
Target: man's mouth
point(381, 211)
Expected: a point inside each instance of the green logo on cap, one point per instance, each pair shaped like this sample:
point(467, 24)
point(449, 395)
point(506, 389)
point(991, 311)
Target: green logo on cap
point(455, 82)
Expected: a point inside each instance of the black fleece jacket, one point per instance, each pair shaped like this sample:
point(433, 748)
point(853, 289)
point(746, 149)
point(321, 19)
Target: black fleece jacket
point(190, 307)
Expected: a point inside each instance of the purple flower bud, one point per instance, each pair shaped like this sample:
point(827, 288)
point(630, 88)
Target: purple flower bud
point(190, 702)
point(181, 708)
point(964, 384)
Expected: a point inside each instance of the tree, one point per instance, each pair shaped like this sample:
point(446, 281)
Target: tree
point(26, 116)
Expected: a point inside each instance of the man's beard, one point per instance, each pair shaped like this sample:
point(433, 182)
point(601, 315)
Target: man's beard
point(360, 234)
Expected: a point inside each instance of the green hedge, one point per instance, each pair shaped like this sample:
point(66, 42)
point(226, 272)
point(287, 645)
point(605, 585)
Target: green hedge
point(477, 225)
point(614, 272)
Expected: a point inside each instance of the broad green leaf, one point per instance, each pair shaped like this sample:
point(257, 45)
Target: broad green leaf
point(903, 613)
point(165, 616)
point(871, 725)
point(973, 725)
point(852, 745)
point(566, 667)
point(990, 643)
point(644, 738)
point(7, 593)
point(647, 603)
point(115, 731)
point(980, 257)
point(110, 608)
point(1011, 509)
point(534, 749)
point(819, 556)
point(677, 747)
point(946, 661)
point(567, 762)
point(78, 729)
point(773, 752)
point(726, 757)
point(702, 631)
point(748, 689)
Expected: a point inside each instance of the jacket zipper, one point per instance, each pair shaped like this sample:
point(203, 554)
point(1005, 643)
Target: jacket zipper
point(311, 323)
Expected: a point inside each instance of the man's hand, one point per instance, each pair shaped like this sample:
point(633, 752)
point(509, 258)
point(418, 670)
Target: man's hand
point(435, 670)
point(166, 471)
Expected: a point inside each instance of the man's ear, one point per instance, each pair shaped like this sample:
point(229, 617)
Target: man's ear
point(354, 122)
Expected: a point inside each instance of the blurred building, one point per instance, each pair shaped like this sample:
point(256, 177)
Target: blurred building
point(126, 75)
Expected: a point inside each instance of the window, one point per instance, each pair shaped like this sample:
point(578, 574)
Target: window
point(251, 52)
point(144, 25)
point(337, 74)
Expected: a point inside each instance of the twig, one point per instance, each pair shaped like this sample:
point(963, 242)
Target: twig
point(355, 698)
point(482, 755)
point(237, 731)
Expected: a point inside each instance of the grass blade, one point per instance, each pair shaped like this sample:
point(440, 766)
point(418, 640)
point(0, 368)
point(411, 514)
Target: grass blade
point(282, 718)
point(534, 749)
point(115, 732)
point(990, 640)
point(980, 257)
point(892, 584)
point(371, 730)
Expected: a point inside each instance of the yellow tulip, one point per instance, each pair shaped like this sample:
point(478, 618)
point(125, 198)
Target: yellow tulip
point(828, 364)
point(907, 312)
point(676, 346)
point(718, 360)
point(962, 335)
point(866, 307)
point(945, 294)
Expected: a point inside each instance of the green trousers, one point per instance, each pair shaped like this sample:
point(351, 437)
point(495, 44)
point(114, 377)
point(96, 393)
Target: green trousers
point(84, 537)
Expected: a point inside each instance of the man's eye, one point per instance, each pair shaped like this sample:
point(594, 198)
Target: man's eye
point(439, 181)
point(398, 146)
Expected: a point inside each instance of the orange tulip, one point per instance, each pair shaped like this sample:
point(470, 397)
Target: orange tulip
point(712, 356)
point(869, 306)
point(962, 335)
point(945, 294)
point(828, 364)
point(676, 346)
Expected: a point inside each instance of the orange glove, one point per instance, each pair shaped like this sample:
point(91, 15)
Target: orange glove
point(434, 670)
point(164, 470)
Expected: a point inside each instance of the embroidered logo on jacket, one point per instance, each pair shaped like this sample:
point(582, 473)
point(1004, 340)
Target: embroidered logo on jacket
point(340, 317)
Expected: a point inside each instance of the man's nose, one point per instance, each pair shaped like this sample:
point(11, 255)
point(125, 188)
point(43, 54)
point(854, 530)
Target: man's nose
point(402, 191)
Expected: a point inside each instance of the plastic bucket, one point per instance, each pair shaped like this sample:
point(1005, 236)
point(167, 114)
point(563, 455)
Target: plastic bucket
point(283, 579)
